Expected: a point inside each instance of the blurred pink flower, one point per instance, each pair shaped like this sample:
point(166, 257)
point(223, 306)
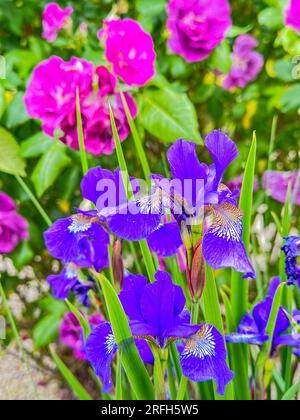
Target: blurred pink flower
point(70, 333)
point(246, 63)
point(13, 228)
point(276, 184)
point(236, 183)
point(51, 93)
point(54, 19)
point(130, 50)
point(292, 15)
point(197, 27)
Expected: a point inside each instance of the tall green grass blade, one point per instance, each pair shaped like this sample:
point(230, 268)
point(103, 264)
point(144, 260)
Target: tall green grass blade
point(239, 286)
point(137, 141)
point(83, 156)
point(171, 381)
point(212, 312)
point(292, 392)
point(133, 366)
point(119, 378)
point(147, 257)
point(80, 318)
point(287, 297)
point(73, 382)
point(36, 203)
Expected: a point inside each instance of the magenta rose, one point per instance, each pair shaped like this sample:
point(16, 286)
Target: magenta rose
point(130, 50)
point(13, 228)
point(51, 93)
point(276, 183)
point(54, 19)
point(197, 27)
point(292, 15)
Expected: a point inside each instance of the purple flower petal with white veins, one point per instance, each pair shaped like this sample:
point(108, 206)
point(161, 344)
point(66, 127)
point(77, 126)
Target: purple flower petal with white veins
point(204, 358)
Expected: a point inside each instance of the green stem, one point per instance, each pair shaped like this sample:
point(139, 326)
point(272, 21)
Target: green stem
point(34, 201)
point(83, 156)
point(172, 387)
point(119, 377)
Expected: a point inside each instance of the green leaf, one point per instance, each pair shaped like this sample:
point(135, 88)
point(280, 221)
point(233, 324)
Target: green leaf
point(74, 384)
point(16, 113)
point(83, 156)
point(133, 366)
point(46, 330)
point(36, 145)
point(168, 115)
point(11, 161)
point(290, 100)
point(271, 17)
point(49, 167)
point(80, 318)
point(235, 31)
point(292, 392)
point(221, 57)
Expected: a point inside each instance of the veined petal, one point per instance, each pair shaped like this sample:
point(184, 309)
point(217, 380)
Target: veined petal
point(292, 340)
point(204, 358)
point(222, 243)
point(165, 240)
point(100, 348)
point(223, 151)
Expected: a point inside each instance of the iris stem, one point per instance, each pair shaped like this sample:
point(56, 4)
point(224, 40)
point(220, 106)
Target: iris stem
point(172, 387)
point(184, 381)
point(34, 201)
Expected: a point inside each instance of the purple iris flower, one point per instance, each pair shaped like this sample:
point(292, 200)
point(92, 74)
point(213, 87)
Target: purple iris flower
point(79, 239)
point(201, 191)
point(157, 313)
point(291, 250)
point(252, 329)
point(69, 281)
point(106, 191)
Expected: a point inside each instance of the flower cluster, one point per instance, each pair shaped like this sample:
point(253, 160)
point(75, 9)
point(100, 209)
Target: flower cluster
point(51, 97)
point(157, 313)
point(246, 65)
point(54, 19)
point(197, 27)
point(252, 329)
point(13, 227)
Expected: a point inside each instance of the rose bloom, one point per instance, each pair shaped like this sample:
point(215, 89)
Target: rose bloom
point(13, 228)
point(197, 27)
point(51, 97)
point(51, 92)
point(292, 15)
point(54, 19)
point(130, 50)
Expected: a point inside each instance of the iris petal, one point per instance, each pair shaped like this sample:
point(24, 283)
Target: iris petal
point(204, 358)
point(165, 240)
point(100, 349)
point(222, 243)
point(223, 151)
